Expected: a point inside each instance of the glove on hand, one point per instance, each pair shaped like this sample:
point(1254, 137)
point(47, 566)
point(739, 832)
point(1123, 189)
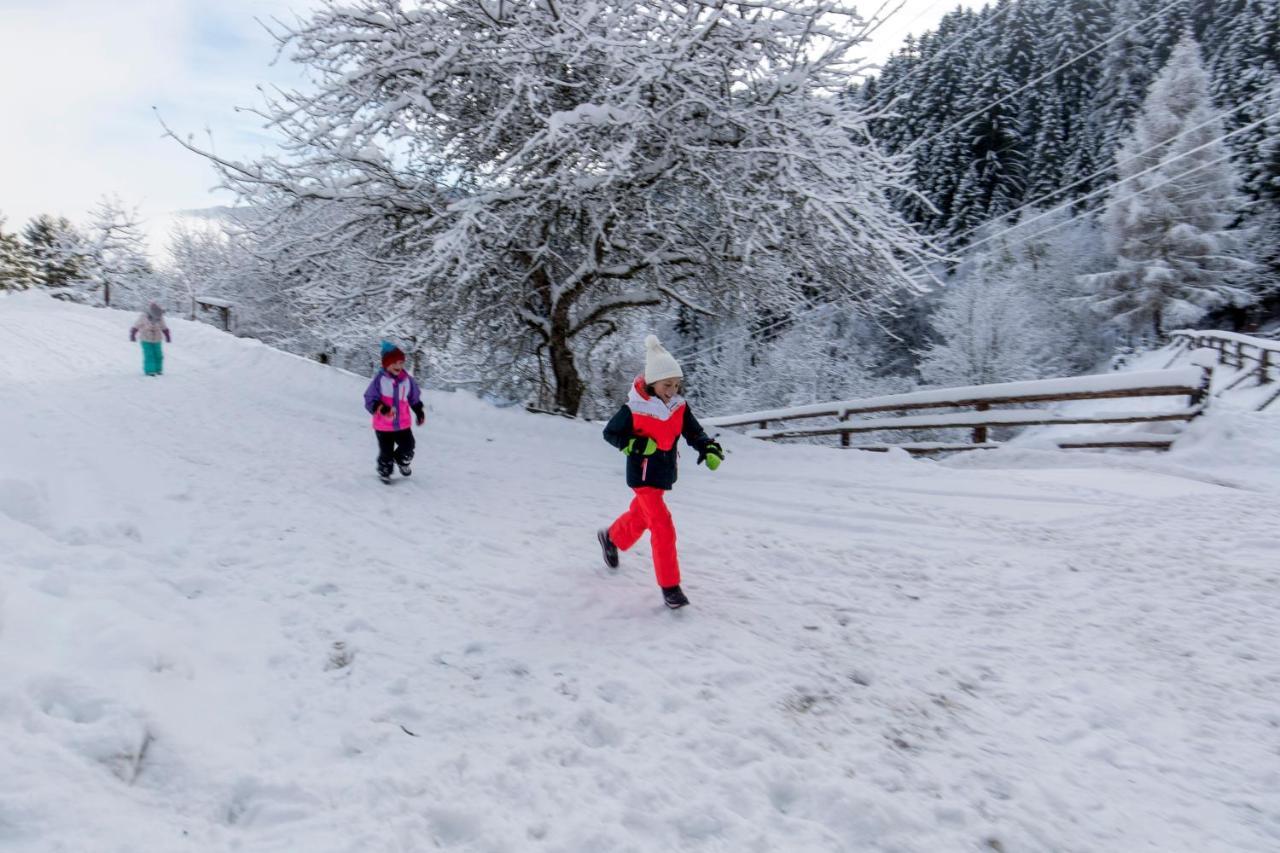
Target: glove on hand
point(384, 410)
point(647, 449)
point(712, 454)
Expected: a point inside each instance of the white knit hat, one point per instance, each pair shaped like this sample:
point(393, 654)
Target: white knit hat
point(658, 363)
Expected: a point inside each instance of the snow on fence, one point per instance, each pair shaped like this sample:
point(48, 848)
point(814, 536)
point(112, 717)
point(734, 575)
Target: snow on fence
point(1191, 382)
point(221, 307)
point(1255, 357)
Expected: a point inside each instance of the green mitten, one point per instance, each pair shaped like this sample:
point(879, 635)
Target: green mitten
point(712, 454)
point(650, 448)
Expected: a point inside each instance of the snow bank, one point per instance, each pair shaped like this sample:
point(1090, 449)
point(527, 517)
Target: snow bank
point(218, 631)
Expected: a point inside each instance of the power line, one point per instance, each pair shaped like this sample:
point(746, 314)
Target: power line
point(809, 305)
point(1114, 165)
point(1179, 176)
point(1224, 137)
point(938, 56)
point(965, 119)
point(812, 307)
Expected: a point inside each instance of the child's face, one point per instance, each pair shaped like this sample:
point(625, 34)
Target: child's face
point(666, 389)
point(395, 367)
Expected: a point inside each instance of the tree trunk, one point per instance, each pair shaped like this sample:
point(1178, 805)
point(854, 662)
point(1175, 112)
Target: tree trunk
point(569, 385)
point(1157, 320)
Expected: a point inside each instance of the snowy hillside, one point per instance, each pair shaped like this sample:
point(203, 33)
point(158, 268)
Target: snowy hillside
point(219, 631)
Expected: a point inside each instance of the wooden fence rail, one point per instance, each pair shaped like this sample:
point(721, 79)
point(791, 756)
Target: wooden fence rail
point(1191, 382)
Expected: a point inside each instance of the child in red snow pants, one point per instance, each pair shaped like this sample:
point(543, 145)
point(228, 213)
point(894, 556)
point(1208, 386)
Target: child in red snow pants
point(649, 512)
point(646, 429)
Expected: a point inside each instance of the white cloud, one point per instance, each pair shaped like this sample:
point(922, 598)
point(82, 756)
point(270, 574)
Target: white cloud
point(79, 80)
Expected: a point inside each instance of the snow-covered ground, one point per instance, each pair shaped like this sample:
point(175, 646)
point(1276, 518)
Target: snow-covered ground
point(219, 631)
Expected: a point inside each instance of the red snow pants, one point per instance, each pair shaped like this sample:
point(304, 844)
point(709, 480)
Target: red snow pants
point(649, 512)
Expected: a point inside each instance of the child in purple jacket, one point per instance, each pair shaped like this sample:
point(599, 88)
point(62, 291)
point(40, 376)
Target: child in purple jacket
point(390, 397)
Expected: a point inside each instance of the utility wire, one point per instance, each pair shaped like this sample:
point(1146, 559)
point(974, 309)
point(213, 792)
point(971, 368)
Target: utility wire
point(960, 122)
point(1111, 166)
point(893, 87)
point(810, 306)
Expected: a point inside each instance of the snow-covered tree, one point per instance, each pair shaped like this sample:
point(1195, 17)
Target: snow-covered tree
point(17, 270)
point(113, 256)
point(55, 247)
point(1170, 217)
point(990, 327)
point(1066, 147)
point(992, 183)
point(532, 171)
point(1266, 279)
point(1125, 76)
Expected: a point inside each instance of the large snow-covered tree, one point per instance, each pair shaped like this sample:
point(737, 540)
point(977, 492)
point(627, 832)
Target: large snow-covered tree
point(1170, 217)
point(532, 170)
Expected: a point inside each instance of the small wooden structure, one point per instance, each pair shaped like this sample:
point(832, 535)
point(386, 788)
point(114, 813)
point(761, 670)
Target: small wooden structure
point(220, 307)
point(1191, 382)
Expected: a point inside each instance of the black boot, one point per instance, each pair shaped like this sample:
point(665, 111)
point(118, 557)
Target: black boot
point(405, 470)
point(607, 548)
point(673, 597)
point(384, 472)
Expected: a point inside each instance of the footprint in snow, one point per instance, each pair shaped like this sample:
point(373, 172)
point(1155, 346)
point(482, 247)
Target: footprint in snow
point(596, 732)
point(256, 803)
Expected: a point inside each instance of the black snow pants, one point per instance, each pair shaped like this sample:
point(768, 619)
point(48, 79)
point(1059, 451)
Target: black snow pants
point(394, 447)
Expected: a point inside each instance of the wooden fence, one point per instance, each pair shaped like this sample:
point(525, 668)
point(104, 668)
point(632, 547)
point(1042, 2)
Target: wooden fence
point(220, 307)
point(1190, 382)
point(1256, 357)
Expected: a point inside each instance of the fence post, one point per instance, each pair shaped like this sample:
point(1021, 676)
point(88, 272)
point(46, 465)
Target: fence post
point(1264, 363)
point(1201, 395)
point(980, 432)
point(1240, 354)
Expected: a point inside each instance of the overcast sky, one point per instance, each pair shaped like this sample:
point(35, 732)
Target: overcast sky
point(79, 80)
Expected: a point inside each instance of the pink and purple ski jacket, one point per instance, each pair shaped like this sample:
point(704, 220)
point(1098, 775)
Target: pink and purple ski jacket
point(400, 393)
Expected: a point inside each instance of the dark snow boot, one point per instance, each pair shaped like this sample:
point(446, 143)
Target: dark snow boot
point(405, 470)
point(673, 597)
point(384, 472)
point(607, 548)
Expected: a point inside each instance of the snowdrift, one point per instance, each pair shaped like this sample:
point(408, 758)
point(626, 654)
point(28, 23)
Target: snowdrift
point(218, 631)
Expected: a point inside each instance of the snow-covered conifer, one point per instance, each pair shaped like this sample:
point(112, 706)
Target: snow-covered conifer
point(55, 247)
point(17, 270)
point(1170, 218)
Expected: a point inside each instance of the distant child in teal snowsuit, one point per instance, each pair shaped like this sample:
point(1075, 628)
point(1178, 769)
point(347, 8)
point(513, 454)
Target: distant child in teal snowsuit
point(151, 329)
